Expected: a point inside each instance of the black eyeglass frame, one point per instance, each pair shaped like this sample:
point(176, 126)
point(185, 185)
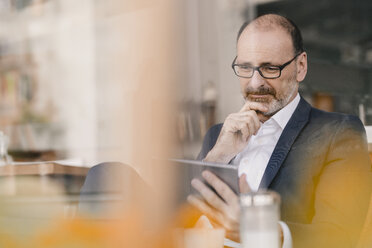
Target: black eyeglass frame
point(257, 68)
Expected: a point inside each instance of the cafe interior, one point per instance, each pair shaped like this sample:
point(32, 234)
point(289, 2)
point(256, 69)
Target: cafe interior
point(132, 84)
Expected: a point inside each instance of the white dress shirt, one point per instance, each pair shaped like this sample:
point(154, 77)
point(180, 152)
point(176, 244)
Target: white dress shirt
point(254, 158)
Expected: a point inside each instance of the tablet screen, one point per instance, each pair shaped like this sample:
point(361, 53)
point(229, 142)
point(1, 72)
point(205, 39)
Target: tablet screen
point(193, 168)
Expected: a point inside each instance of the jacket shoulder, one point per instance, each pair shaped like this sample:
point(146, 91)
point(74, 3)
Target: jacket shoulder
point(210, 140)
point(345, 120)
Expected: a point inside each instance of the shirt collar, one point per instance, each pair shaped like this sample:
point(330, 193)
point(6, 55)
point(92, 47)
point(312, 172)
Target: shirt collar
point(282, 117)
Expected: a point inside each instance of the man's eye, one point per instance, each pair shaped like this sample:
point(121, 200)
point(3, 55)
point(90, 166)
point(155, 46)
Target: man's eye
point(245, 67)
point(270, 69)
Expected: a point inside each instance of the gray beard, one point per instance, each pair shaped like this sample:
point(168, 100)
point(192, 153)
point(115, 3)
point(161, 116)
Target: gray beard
point(276, 105)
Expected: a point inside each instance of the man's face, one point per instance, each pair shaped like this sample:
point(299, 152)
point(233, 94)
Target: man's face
point(258, 47)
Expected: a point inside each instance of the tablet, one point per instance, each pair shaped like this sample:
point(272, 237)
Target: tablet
point(193, 168)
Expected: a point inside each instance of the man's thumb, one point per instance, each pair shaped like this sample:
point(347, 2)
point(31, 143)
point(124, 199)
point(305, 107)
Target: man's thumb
point(243, 184)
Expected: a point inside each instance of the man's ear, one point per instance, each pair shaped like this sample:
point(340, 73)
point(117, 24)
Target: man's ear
point(301, 67)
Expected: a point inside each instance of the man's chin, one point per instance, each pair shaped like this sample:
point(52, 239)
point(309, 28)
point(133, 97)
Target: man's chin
point(262, 116)
point(262, 101)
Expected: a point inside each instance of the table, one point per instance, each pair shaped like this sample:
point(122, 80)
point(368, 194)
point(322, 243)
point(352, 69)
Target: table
point(41, 169)
point(44, 174)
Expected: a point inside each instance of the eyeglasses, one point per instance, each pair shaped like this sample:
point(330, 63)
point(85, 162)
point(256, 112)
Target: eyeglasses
point(266, 71)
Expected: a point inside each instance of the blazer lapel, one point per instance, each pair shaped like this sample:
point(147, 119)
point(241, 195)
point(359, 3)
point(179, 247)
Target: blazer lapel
point(294, 126)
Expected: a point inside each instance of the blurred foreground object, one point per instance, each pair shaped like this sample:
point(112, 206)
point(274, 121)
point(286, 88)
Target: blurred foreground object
point(107, 69)
point(365, 240)
point(199, 238)
point(202, 235)
point(29, 207)
point(259, 220)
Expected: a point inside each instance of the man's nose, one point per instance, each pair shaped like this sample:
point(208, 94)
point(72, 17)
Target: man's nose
point(257, 80)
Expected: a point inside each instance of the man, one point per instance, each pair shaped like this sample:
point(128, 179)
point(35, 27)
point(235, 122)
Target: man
point(317, 161)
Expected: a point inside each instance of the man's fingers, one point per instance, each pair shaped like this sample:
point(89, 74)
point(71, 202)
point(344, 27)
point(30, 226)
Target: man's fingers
point(245, 133)
point(200, 204)
point(238, 121)
point(222, 189)
point(252, 126)
point(243, 184)
point(257, 123)
point(233, 125)
point(210, 196)
point(253, 106)
point(212, 214)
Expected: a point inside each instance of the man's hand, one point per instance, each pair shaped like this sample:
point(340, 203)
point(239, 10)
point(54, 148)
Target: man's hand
point(235, 133)
point(226, 212)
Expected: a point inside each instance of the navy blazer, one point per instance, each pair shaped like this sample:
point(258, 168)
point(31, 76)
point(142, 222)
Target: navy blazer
point(321, 169)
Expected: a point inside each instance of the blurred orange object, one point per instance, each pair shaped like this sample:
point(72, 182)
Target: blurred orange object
point(123, 232)
point(8, 241)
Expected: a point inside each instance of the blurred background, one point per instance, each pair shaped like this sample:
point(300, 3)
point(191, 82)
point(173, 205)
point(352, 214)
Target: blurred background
point(88, 81)
point(337, 38)
point(64, 85)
